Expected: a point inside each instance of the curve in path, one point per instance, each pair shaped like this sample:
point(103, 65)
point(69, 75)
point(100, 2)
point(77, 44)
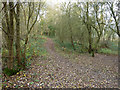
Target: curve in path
point(96, 74)
point(57, 71)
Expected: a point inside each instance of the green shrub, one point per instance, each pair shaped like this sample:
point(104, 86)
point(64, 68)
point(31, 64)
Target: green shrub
point(110, 45)
point(113, 46)
point(107, 51)
point(68, 46)
point(10, 72)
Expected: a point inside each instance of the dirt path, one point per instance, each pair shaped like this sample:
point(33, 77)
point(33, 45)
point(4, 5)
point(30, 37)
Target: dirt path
point(69, 71)
point(85, 71)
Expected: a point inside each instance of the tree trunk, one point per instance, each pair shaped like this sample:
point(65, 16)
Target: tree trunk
point(70, 28)
point(11, 35)
point(89, 30)
point(24, 54)
point(18, 48)
point(90, 43)
point(72, 43)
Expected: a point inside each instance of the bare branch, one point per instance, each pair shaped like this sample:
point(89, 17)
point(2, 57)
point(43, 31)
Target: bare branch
point(23, 12)
point(4, 31)
point(2, 8)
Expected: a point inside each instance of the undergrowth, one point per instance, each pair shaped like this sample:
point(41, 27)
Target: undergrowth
point(35, 48)
point(80, 49)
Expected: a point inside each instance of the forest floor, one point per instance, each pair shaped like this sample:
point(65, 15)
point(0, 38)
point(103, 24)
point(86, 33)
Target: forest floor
point(68, 70)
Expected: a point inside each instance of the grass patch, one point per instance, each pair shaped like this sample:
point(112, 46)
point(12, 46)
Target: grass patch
point(10, 72)
point(36, 47)
point(107, 51)
point(80, 49)
point(67, 47)
point(109, 47)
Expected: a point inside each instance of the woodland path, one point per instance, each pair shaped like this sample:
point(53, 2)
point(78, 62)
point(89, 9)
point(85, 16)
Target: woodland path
point(70, 71)
point(83, 70)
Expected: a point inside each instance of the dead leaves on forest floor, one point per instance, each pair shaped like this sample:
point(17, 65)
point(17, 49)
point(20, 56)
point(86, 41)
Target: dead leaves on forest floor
point(68, 71)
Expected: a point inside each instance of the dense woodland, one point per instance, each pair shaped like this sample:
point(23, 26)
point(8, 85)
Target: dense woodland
point(77, 27)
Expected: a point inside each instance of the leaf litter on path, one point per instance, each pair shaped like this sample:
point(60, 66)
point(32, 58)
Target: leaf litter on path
point(68, 71)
